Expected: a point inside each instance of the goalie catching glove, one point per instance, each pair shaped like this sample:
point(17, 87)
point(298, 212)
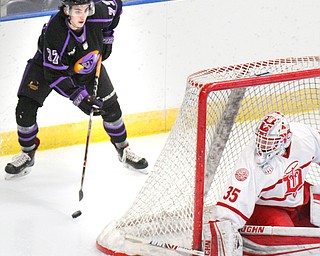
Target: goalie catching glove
point(87, 102)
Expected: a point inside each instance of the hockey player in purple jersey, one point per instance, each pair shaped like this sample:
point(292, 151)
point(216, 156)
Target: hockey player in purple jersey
point(66, 60)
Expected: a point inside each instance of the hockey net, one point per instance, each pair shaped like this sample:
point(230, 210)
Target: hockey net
point(217, 118)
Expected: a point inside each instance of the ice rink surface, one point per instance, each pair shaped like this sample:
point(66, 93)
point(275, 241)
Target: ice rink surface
point(35, 210)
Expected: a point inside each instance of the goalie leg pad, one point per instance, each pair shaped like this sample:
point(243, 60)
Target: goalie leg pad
point(315, 205)
point(222, 239)
point(209, 245)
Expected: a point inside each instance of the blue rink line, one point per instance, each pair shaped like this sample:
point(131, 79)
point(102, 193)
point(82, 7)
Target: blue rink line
point(49, 13)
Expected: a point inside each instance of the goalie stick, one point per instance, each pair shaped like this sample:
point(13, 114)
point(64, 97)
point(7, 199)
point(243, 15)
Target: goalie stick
point(164, 245)
point(246, 230)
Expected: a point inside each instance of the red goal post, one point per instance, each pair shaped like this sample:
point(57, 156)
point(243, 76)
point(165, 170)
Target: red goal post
point(217, 118)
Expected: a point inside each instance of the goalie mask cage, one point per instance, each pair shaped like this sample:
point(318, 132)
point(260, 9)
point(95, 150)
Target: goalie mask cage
point(217, 118)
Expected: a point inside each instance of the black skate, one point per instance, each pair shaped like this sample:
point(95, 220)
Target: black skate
point(21, 163)
point(131, 161)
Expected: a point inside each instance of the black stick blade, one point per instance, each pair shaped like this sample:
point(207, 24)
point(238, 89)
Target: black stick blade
point(80, 194)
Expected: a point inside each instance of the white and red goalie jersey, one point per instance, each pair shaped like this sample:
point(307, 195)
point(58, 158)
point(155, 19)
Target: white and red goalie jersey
point(280, 182)
point(275, 192)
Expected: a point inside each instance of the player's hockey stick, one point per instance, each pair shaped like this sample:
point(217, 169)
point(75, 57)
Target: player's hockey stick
point(95, 90)
point(167, 246)
point(280, 231)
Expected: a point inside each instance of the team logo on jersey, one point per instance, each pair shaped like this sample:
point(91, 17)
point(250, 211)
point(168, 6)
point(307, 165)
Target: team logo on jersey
point(242, 174)
point(87, 63)
point(33, 85)
point(293, 178)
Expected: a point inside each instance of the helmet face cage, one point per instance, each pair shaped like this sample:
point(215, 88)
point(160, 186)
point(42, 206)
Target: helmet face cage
point(69, 3)
point(273, 136)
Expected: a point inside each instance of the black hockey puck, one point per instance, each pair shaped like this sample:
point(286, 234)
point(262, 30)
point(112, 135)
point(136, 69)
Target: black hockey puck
point(76, 214)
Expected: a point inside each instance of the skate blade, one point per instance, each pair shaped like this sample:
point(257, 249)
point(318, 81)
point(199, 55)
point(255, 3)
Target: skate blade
point(143, 171)
point(24, 172)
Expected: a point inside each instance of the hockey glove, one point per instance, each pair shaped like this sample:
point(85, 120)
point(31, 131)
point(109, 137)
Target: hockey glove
point(87, 102)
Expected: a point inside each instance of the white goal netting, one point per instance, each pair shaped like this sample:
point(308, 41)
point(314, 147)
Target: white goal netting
point(217, 118)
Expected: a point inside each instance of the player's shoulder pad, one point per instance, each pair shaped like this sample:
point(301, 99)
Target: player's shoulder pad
point(56, 26)
point(108, 9)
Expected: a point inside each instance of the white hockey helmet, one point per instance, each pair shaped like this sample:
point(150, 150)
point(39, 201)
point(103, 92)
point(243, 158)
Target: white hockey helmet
point(273, 136)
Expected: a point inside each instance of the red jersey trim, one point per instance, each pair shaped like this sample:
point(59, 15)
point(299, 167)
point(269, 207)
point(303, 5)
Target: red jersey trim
point(316, 196)
point(281, 180)
point(236, 211)
point(306, 196)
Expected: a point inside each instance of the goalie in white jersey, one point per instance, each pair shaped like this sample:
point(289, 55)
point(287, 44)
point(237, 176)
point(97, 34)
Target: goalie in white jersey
point(268, 184)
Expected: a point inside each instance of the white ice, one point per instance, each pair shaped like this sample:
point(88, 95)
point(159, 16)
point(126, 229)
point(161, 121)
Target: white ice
point(35, 210)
